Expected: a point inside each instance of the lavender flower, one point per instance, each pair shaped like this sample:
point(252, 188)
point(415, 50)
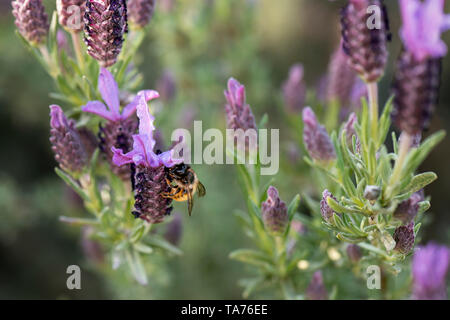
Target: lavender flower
point(316, 289)
point(325, 209)
point(316, 138)
point(350, 131)
point(274, 213)
point(120, 127)
point(105, 23)
point(239, 114)
point(140, 12)
point(423, 23)
point(404, 238)
point(294, 89)
point(70, 14)
point(354, 252)
point(66, 142)
point(407, 210)
point(429, 268)
point(31, 20)
point(150, 176)
point(365, 47)
point(174, 230)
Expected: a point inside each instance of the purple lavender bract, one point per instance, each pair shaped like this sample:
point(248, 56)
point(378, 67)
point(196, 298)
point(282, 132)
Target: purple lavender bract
point(430, 267)
point(294, 89)
point(274, 213)
point(31, 20)
point(404, 238)
point(325, 209)
point(105, 24)
point(239, 114)
point(316, 138)
point(66, 142)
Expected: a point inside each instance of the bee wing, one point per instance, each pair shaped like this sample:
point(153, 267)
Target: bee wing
point(201, 189)
point(190, 201)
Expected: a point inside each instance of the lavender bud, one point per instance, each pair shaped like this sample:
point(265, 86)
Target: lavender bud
point(118, 134)
point(416, 90)
point(174, 230)
point(407, 210)
point(294, 89)
point(140, 12)
point(366, 47)
point(239, 114)
point(31, 20)
point(105, 23)
point(150, 185)
point(316, 289)
point(404, 238)
point(372, 193)
point(66, 142)
point(274, 213)
point(316, 138)
point(325, 209)
point(354, 252)
point(70, 14)
point(430, 266)
point(166, 86)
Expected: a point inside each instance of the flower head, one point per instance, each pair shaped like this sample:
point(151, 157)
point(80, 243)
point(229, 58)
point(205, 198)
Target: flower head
point(144, 143)
point(31, 20)
point(239, 114)
point(354, 252)
point(407, 210)
point(70, 14)
point(274, 213)
point(325, 209)
point(66, 142)
point(105, 23)
point(423, 23)
point(140, 12)
point(404, 238)
point(316, 138)
point(294, 89)
point(429, 267)
point(316, 289)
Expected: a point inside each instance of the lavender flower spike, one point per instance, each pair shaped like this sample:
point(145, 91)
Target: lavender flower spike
point(423, 23)
point(316, 138)
point(66, 142)
point(274, 213)
point(70, 14)
point(404, 238)
point(430, 266)
point(140, 12)
point(239, 114)
point(105, 24)
point(316, 289)
point(31, 20)
point(325, 209)
point(294, 89)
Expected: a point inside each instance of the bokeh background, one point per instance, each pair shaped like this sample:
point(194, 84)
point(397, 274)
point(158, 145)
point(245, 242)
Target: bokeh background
point(201, 43)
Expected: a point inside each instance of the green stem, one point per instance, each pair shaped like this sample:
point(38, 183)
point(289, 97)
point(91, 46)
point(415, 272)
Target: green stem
point(372, 89)
point(77, 47)
point(53, 70)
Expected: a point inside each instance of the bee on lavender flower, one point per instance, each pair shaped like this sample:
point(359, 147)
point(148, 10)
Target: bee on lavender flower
point(183, 183)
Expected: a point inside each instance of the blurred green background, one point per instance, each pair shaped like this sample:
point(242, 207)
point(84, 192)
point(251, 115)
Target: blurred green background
point(202, 42)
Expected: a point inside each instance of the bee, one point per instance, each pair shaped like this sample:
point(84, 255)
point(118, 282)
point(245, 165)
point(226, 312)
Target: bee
point(184, 183)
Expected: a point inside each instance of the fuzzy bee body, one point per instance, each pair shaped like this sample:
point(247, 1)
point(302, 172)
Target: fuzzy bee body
point(184, 183)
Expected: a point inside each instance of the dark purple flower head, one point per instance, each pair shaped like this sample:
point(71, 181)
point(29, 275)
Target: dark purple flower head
point(239, 114)
point(316, 138)
point(423, 23)
point(294, 89)
point(274, 213)
point(31, 20)
point(325, 209)
point(365, 47)
point(109, 91)
point(140, 12)
point(144, 143)
point(66, 142)
point(316, 289)
point(105, 23)
point(407, 210)
point(404, 238)
point(429, 268)
point(354, 252)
